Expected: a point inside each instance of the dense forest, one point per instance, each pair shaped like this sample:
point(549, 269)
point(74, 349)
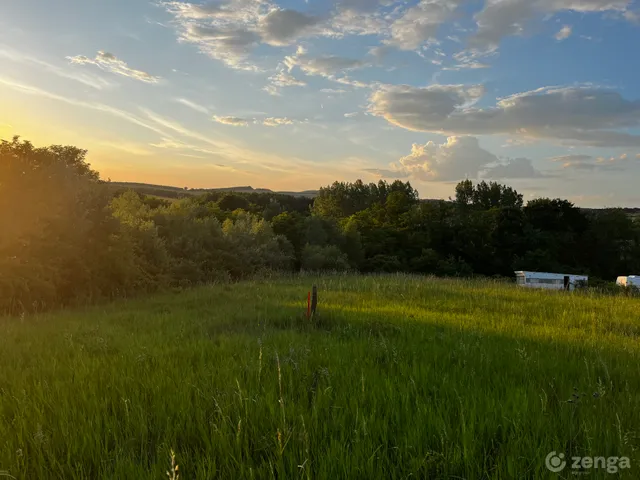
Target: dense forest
point(70, 237)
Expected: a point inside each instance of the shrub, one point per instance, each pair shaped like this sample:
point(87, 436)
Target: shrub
point(327, 258)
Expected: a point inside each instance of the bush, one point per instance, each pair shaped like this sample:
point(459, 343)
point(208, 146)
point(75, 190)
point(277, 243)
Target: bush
point(454, 267)
point(383, 264)
point(67, 239)
point(328, 258)
point(60, 242)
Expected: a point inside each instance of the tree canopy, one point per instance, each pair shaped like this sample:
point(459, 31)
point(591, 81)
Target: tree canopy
point(67, 236)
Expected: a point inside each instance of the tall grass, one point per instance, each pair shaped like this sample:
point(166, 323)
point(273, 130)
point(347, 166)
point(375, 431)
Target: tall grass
point(402, 377)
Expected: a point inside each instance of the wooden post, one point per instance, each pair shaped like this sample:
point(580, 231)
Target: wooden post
point(308, 305)
point(314, 300)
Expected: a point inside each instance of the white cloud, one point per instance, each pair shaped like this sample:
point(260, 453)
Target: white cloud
point(332, 67)
point(245, 122)
point(326, 66)
point(245, 11)
point(463, 66)
point(421, 22)
point(387, 173)
point(110, 63)
point(419, 109)
point(281, 80)
point(351, 115)
point(159, 125)
point(380, 52)
point(228, 44)
point(519, 142)
point(564, 33)
point(351, 82)
point(589, 163)
point(229, 30)
point(359, 21)
point(362, 5)
point(333, 91)
point(234, 152)
point(512, 168)
point(276, 122)
point(192, 105)
point(632, 16)
point(472, 58)
point(502, 18)
point(233, 121)
point(458, 158)
point(282, 27)
point(571, 158)
point(585, 115)
point(89, 80)
point(226, 30)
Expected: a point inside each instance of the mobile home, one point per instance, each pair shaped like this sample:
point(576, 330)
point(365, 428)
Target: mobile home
point(629, 281)
point(550, 281)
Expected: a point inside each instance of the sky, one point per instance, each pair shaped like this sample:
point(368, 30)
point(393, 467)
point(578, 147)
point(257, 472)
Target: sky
point(542, 95)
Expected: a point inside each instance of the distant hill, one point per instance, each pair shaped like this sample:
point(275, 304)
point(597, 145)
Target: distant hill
point(166, 191)
point(177, 192)
point(146, 185)
point(305, 193)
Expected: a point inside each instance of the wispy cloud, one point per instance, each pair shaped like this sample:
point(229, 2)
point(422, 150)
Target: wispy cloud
point(89, 80)
point(498, 20)
point(233, 121)
point(589, 163)
point(280, 80)
point(333, 91)
point(386, 173)
point(332, 67)
point(276, 122)
point(131, 148)
point(245, 122)
point(564, 33)
point(232, 151)
point(192, 105)
point(100, 107)
point(173, 144)
point(110, 63)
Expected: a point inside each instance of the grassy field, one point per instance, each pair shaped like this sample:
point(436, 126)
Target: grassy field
point(402, 377)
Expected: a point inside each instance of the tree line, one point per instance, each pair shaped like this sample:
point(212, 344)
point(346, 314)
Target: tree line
point(70, 237)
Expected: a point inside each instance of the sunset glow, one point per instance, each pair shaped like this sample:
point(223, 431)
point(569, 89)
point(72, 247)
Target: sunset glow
point(291, 96)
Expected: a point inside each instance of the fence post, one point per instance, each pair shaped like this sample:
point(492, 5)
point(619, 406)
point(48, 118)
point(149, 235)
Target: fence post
point(314, 300)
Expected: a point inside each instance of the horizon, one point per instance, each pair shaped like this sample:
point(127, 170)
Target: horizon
point(539, 96)
point(287, 192)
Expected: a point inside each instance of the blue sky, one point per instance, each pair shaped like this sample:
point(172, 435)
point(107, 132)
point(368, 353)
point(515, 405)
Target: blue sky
point(291, 95)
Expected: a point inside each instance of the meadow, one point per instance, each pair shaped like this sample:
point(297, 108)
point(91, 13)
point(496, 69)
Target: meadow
point(397, 377)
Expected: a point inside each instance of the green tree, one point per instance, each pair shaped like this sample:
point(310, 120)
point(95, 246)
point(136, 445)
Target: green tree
point(59, 242)
point(324, 258)
point(230, 202)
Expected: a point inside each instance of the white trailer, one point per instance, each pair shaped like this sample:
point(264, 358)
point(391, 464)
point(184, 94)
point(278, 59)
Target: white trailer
point(629, 281)
point(549, 281)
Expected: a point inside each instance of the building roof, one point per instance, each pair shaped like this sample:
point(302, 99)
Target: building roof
point(547, 274)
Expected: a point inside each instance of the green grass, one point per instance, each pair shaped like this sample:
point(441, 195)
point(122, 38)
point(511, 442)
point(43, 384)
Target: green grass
point(403, 377)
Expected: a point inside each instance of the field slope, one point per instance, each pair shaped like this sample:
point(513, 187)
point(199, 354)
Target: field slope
point(403, 377)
